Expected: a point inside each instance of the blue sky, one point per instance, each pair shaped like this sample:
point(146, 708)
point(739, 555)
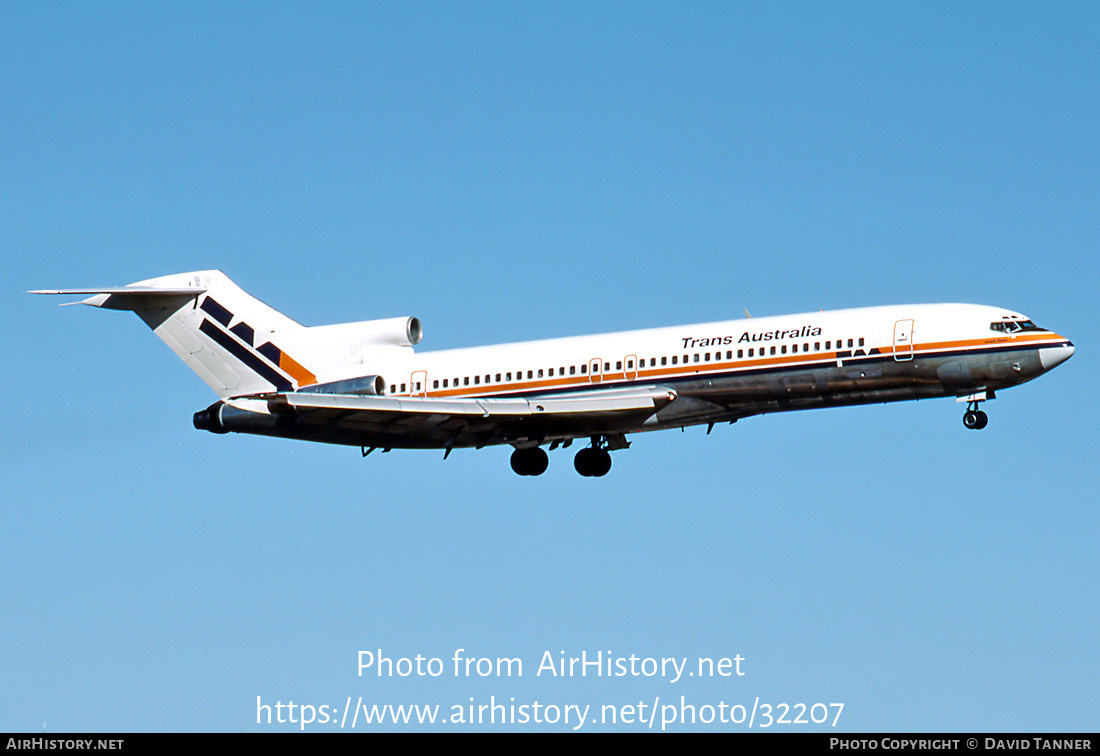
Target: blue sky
point(515, 171)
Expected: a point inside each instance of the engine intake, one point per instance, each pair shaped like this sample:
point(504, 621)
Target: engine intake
point(390, 332)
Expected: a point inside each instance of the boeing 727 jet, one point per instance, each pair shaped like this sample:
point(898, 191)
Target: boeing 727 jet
point(363, 384)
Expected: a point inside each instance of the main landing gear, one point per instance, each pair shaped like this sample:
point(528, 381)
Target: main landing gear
point(974, 418)
point(591, 462)
point(531, 461)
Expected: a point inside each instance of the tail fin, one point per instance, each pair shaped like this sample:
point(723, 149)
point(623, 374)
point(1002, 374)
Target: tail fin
point(225, 335)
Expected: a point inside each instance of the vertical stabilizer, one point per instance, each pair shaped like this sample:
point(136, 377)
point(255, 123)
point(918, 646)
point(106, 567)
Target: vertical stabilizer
point(228, 337)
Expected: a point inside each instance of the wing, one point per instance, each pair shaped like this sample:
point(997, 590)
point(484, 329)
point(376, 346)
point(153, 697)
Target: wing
point(418, 422)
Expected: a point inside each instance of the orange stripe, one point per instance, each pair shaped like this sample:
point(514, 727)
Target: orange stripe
point(296, 371)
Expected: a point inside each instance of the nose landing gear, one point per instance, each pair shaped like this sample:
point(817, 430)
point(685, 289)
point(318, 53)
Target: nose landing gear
point(974, 418)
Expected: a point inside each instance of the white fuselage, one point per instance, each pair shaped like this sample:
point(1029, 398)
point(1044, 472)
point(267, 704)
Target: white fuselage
point(885, 339)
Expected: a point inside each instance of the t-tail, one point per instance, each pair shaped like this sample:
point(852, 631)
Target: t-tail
point(240, 346)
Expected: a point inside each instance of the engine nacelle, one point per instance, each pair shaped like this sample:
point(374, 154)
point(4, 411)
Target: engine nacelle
point(210, 419)
point(367, 385)
point(405, 332)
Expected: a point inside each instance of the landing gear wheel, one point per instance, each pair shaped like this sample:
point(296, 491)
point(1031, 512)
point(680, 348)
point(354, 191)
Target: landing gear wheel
point(529, 461)
point(975, 419)
point(592, 462)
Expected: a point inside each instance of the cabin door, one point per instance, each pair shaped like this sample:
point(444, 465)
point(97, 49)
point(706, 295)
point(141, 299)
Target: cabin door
point(595, 371)
point(631, 371)
point(903, 340)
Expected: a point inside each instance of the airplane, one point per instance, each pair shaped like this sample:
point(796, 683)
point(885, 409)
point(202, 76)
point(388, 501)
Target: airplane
point(363, 384)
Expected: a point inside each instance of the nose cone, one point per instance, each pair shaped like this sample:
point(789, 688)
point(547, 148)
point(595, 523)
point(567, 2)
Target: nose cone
point(1052, 357)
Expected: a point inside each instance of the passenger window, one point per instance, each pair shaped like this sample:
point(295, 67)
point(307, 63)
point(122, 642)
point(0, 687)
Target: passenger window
point(773, 350)
point(540, 373)
point(706, 357)
point(530, 374)
point(619, 365)
point(572, 370)
point(794, 347)
point(466, 381)
point(498, 377)
point(444, 383)
point(606, 367)
point(402, 388)
point(849, 343)
point(861, 342)
point(477, 379)
point(783, 349)
point(673, 359)
point(584, 369)
point(664, 361)
point(740, 353)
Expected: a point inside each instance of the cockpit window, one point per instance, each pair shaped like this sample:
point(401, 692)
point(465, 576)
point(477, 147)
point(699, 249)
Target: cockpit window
point(1014, 325)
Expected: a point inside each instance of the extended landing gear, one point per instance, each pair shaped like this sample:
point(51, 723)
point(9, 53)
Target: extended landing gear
point(974, 418)
point(592, 462)
point(531, 461)
point(595, 462)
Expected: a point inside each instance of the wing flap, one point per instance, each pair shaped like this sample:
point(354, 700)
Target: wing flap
point(423, 421)
point(590, 402)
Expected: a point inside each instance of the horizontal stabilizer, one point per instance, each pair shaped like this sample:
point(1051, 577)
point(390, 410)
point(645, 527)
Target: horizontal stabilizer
point(128, 297)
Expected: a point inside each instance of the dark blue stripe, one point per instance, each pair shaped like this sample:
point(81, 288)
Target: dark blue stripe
point(216, 311)
point(270, 351)
point(244, 332)
point(262, 368)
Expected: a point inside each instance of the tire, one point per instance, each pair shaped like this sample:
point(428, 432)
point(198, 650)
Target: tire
point(529, 461)
point(592, 463)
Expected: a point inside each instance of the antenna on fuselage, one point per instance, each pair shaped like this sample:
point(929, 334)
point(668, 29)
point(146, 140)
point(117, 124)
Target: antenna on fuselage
point(747, 313)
